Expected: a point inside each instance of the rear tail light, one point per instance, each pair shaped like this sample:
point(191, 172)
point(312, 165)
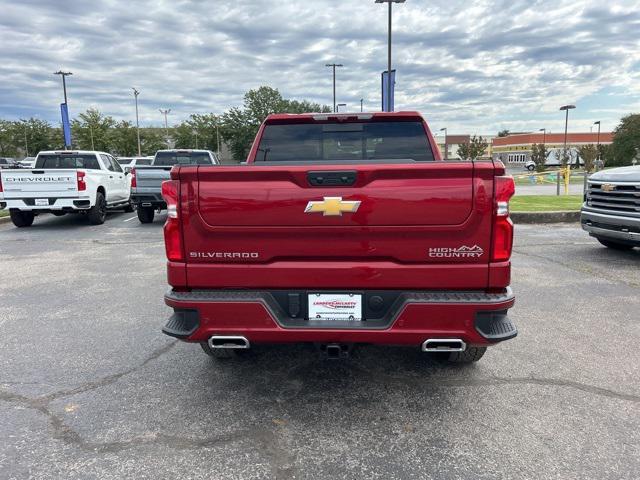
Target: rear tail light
point(134, 182)
point(1, 183)
point(82, 185)
point(172, 231)
point(502, 237)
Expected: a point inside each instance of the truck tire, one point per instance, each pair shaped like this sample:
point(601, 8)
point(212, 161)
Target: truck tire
point(146, 214)
point(21, 219)
point(471, 354)
point(98, 213)
point(615, 245)
point(222, 353)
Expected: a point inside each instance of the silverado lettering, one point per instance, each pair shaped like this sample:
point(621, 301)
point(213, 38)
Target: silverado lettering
point(354, 215)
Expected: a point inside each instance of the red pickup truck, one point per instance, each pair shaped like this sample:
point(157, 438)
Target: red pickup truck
point(341, 229)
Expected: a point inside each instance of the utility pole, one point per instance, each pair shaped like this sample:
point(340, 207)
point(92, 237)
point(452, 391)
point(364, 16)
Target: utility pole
point(135, 94)
point(446, 147)
point(66, 103)
point(390, 2)
point(597, 146)
point(566, 109)
point(334, 65)
point(166, 123)
point(26, 143)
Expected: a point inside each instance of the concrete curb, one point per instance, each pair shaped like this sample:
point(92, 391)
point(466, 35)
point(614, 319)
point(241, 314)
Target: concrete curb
point(545, 217)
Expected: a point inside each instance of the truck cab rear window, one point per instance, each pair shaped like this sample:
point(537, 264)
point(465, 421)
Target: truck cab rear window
point(358, 141)
point(68, 161)
point(166, 159)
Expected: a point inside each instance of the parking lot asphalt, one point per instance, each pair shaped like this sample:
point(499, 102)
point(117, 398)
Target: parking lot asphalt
point(90, 388)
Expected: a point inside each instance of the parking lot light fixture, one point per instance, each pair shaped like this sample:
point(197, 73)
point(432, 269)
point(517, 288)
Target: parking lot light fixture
point(566, 109)
point(598, 144)
point(390, 2)
point(544, 135)
point(166, 122)
point(333, 66)
point(135, 94)
point(446, 149)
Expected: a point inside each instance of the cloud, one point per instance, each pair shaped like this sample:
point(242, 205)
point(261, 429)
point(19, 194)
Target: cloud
point(474, 66)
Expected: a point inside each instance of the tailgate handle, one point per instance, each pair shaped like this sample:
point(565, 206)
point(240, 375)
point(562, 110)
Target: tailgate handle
point(340, 178)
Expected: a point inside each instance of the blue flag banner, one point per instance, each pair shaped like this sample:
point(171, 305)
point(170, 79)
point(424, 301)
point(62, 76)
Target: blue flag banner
point(385, 77)
point(66, 127)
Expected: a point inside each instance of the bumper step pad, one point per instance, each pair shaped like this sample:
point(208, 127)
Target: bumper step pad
point(495, 326)
point(182, 323)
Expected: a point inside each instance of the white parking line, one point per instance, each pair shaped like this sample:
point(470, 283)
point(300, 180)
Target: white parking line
point(129, 219)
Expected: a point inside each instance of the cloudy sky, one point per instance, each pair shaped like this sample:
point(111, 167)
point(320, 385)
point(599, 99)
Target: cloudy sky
point(472, 66)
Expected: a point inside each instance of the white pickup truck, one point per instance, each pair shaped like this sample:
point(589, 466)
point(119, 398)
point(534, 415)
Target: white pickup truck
point(86, 182)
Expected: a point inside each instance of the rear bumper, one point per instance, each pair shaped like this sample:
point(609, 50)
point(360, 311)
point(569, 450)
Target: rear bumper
point(151, 198)
point(70, 203)
point(611, 226)
point(478, 318)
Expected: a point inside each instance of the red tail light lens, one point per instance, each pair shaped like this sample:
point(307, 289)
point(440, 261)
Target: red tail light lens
point(1, 183)
point(82, 185)
point(172, 231)
point(134, 183)
point(502, 240)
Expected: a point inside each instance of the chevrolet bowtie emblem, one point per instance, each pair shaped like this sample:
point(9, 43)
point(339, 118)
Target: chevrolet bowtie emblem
point(607, 187)
point(332, 206)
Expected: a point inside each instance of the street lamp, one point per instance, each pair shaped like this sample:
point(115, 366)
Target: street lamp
point(195, 133)
point(544, 135)
point(566, 109)
point(26, 143)
point(361, 104)
point(598, 145)
point(334, 65)
point(135, 94)
point(66, 105)
point(446, 148)
point(166, 124)
point(390, 2)
point(340, 105)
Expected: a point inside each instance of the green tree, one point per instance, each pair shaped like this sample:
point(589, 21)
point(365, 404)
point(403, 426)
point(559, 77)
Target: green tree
point(539, 156)
point(504, 133)
point(473, 149)
point(198, 131)
point(626, 139)
point(151, 141)
point(123, 139)
point(240, 125)
point(8, 146)
point(92, 130)
point(588, 154)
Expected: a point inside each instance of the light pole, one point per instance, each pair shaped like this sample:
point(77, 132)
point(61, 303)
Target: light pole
point(26, 143)
point(544, 136)
point(166, 124)
point(361, 104)
point(390, 2)
point(333, 66)
point(446, 148)
point(91, 134)
point(597, 146)
point(195, 133)
point(340, 105)
point(566, 109)
point(218, 140)
point(66, 104)
point(135, 94)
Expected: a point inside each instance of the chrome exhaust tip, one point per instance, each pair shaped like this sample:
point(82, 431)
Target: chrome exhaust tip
point(229, 341)
point(444, 345)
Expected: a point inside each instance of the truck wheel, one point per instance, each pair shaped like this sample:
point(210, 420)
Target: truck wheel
point(145, 214)
point(471, 354)
point(615, 245)
point(128, 208)
point(98, 213)
point(21, 219)
point(531, 168)
point(222, 353)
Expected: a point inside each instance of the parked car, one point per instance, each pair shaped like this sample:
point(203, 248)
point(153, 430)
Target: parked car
point(611, 211)
point(6, 163)
point(129, 163)
point(342, 229)
point(146, 181)
point(27, 162)
point(85, 182)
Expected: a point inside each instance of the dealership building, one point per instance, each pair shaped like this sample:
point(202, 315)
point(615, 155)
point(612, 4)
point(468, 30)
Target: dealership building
point(516, 148)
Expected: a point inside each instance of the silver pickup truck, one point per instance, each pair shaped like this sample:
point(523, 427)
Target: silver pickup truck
point(611, 211)
point(146, 180)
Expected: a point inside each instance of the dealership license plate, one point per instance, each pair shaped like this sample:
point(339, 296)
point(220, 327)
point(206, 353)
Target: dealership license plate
point(42, 202)
point(335, 306)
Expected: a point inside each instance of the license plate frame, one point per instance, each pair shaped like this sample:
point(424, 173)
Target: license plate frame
point(335, 307)
point(41, 202)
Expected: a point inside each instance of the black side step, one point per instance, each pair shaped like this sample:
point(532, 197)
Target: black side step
point(495, 326)
point(182, 323)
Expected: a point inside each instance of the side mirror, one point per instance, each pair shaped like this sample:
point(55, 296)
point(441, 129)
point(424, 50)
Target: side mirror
point(127, 172)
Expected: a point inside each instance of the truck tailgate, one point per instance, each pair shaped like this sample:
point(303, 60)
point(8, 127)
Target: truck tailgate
point(36, 183)
point(418, 225)
point(150, 177)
